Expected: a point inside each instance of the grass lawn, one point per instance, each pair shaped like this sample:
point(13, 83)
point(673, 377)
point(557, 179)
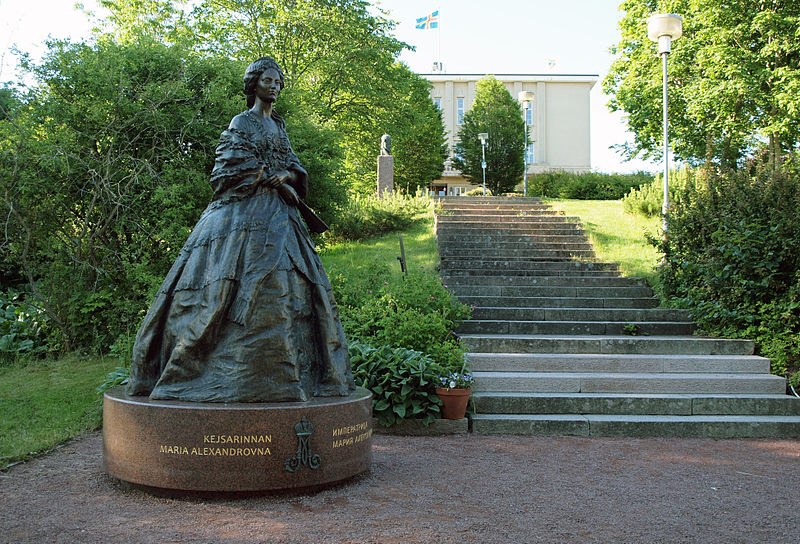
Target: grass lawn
point(617, 236)
point(419, 243)
point(44, 403)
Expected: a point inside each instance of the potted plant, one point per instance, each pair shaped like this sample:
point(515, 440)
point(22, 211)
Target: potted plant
point(454, 393)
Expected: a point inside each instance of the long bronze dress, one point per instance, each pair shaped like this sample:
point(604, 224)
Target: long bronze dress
point(246, 313)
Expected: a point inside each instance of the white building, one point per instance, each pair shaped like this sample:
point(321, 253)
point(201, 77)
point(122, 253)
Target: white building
point(558, 120)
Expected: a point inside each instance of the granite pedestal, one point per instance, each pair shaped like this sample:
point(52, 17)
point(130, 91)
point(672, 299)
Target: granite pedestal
point(385, 175)
point(236, 447)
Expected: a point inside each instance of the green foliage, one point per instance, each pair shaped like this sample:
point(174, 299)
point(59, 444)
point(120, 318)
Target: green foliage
point(585, 186)
point(648, 198)
point(497, 113)
point(366, 216)
point(20, 326)
point(733, 257)
point(117, 377)
point(479, 192)
point(416, 312)
point(108, 163)
point(734, 79)
point(402, 382)
point(339, 58)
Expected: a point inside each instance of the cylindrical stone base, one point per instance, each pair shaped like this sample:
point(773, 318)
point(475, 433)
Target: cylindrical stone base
point(236, 447)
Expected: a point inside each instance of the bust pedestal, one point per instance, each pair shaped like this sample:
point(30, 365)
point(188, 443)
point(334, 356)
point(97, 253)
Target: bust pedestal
point(385, 174)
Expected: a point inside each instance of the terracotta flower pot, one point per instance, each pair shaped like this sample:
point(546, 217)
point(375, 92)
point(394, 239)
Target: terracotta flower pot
point(454, 402)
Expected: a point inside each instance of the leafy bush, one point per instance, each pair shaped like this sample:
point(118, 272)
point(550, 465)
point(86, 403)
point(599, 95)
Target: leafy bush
point(20, 326)
point(365, 216)
point(586, 186)
point(115, 378)
point(733, 257)
point(479, 192)
point(417, 312)
point(402, 382)
point(647, 199)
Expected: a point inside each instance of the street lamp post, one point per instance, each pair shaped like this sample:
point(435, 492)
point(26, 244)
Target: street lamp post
point(526, 97)
point(483, 136)
point(663, 28)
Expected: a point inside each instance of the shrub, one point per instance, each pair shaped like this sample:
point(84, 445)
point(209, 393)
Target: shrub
point(647, 199)
point(479, 192)
point(417, 312)
point(365, 216)
point(733, 257)
point(20, 327)
point(402, 382)
point(585, 186)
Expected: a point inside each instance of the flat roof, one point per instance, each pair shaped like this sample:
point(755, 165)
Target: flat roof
point(554, 78)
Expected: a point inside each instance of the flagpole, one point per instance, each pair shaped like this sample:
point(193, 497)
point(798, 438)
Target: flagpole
point(439, 40)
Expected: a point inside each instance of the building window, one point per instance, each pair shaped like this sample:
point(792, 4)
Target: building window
point(458, 151)
point(438, 102)
point(459, 111)
point(529, 154)
point(529, 116)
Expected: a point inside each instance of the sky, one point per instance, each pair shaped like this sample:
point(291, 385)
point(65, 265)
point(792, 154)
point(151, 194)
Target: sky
point(478, 37)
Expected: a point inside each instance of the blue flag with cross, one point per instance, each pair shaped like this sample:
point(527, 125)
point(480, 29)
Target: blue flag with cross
point(431, 21)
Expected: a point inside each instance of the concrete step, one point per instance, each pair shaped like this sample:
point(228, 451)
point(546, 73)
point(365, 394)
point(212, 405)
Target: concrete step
point(481, 222)
point(549, 291)
point(629, 382)
point(489, 200)
point(447, 239)
point(624, 315)
point(506, 266)
point(713, 426)
point(488, 326)
point(560, 302)
point(516, 211)
point(542, 281)
point(510, 274)
point(547, 349)
point(608, 363)
point(635, 404)
point(492, 231)
point(533, 256)
point(521, 249)
point(654, 345)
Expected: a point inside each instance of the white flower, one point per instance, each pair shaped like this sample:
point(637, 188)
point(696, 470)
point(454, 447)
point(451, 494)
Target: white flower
point(452, 384)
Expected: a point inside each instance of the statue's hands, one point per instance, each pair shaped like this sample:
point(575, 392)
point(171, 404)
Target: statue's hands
point(288, 194)
point(280, 178)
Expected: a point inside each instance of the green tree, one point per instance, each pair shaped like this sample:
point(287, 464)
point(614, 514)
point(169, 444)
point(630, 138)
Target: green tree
point(497, 113)
point(340, 65)
point(106, 168)
point(415, 125)
point(734, 79)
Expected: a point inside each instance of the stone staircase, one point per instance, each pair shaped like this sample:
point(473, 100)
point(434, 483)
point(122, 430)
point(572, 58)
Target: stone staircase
point(562, 344)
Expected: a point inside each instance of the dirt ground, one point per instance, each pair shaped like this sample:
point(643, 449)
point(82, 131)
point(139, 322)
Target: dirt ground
point(464, 488)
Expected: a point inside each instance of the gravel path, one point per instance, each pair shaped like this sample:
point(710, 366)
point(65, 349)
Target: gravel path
point(469, 488)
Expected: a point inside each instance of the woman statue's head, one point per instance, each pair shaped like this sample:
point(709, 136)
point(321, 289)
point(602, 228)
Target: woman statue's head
point(254, 72)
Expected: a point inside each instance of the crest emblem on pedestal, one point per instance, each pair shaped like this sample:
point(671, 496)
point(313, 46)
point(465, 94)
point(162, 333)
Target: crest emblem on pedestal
point(303, 429)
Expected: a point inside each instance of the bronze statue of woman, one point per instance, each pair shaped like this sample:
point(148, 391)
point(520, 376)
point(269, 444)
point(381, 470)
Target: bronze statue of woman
point(246, 313)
